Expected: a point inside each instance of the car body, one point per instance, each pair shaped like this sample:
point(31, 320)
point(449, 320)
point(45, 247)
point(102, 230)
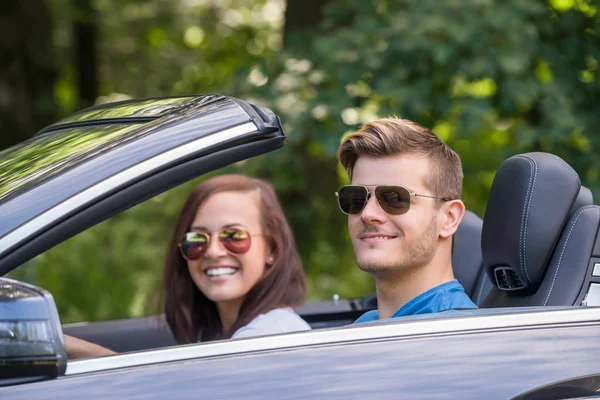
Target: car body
point(95, 163)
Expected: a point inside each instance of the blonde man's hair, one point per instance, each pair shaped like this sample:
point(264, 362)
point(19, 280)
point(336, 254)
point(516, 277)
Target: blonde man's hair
point(394, 136)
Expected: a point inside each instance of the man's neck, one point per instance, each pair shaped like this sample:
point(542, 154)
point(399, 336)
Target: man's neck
point(395, 291)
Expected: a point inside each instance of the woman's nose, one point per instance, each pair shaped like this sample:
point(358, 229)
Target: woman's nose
point(215, 248)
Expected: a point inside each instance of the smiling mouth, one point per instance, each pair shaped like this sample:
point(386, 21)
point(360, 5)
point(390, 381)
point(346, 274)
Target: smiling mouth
point(373, 237)
point(214, 272)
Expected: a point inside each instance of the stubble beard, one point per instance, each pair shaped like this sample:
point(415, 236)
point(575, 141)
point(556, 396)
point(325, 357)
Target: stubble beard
point(420, 253)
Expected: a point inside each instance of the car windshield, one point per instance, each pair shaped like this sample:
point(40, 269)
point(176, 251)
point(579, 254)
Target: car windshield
point(144, 108)
point(39, 158)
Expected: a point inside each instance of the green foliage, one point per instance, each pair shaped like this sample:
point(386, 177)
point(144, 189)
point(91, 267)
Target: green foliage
point(169, 47)
point(492, 78)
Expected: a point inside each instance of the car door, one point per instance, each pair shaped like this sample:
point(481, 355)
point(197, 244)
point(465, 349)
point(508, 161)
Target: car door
point(548, 354)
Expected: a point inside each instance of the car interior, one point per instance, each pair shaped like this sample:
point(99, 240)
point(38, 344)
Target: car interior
point(537, 245)
point(539, 236)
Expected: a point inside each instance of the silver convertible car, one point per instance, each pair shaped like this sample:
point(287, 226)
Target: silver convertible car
point(532, 265)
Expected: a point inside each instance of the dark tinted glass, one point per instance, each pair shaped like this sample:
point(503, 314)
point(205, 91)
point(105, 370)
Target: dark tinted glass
point(352, 199)
point(393, 199)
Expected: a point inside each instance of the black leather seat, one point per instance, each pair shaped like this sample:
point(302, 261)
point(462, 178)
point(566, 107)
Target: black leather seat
point(539, 234)
point(467, 262)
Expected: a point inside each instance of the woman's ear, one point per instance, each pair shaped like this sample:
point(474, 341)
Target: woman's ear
point(453, 213)
point(270, 258)
point(270, 253)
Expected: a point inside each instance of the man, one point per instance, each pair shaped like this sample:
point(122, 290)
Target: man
point(403, 209)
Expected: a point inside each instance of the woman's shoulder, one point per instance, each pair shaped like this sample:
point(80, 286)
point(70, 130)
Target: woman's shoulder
point(279, 320)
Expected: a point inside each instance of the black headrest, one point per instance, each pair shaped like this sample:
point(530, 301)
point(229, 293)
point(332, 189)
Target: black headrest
point(530, 200)
point(584, 198)
point(466, 257)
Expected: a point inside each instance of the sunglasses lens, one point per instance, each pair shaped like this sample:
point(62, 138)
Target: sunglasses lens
point(194, 245)
point(394, 200)
point(352, 199)
point(234, 240)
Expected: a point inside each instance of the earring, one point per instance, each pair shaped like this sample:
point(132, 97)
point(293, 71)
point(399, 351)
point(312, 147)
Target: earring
point(270, 261)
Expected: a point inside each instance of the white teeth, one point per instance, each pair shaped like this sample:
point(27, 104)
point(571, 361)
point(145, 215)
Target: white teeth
point(220, 271)
point(381, 237)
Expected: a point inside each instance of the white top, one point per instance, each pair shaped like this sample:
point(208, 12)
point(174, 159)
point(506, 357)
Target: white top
point(279, 320)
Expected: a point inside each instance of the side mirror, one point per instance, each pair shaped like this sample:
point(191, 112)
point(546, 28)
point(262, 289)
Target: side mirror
point(31, 339)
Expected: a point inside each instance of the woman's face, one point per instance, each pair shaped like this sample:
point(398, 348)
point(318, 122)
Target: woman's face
point(220, 275)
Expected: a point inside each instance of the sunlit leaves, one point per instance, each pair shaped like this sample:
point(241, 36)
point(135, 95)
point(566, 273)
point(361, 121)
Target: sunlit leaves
point(193, 36)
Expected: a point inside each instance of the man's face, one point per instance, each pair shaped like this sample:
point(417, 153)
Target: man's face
point(383, 243)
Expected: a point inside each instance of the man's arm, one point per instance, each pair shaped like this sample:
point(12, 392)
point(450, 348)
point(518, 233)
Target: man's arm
point(78, 348)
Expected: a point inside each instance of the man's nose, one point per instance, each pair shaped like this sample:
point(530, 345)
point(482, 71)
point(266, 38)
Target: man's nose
point(372, 213)
point(215, 248)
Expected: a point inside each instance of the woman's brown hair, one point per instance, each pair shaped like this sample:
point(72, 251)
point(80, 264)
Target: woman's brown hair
point(191, 315)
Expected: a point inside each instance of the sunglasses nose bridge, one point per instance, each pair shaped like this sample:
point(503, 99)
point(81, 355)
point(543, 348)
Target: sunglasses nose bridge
point(370, 211)
point(215, 247)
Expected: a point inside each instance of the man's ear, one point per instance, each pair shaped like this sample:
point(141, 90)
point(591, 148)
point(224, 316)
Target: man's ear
point(453, 212)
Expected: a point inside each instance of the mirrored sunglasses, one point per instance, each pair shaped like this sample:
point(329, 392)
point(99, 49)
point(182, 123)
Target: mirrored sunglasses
point(195, 244)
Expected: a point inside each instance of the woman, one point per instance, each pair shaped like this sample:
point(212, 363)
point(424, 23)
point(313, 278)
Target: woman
point(232, 268)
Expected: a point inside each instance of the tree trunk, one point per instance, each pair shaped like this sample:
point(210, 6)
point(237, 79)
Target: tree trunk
point(27, 70)
point(85, 33)
point(302, 23)
point(302, 16)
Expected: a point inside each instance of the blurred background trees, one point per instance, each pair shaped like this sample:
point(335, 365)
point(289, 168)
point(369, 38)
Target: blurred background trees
point(492, 78)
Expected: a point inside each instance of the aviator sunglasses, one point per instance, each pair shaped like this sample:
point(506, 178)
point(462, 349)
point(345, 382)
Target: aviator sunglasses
point(394, 200)
point(194, 244)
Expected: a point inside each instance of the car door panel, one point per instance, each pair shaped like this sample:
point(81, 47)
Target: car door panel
point(493, 365)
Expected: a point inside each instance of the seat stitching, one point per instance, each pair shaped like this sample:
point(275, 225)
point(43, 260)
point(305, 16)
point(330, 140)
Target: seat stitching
point(563, 249)
point(525, 217)
point(527, 221)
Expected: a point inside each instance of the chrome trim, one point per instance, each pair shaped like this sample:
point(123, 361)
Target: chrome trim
point(91, 193)
point(592, 298)
point(395, 329)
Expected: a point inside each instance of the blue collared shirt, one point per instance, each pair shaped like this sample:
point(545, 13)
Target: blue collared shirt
point(447, 296)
